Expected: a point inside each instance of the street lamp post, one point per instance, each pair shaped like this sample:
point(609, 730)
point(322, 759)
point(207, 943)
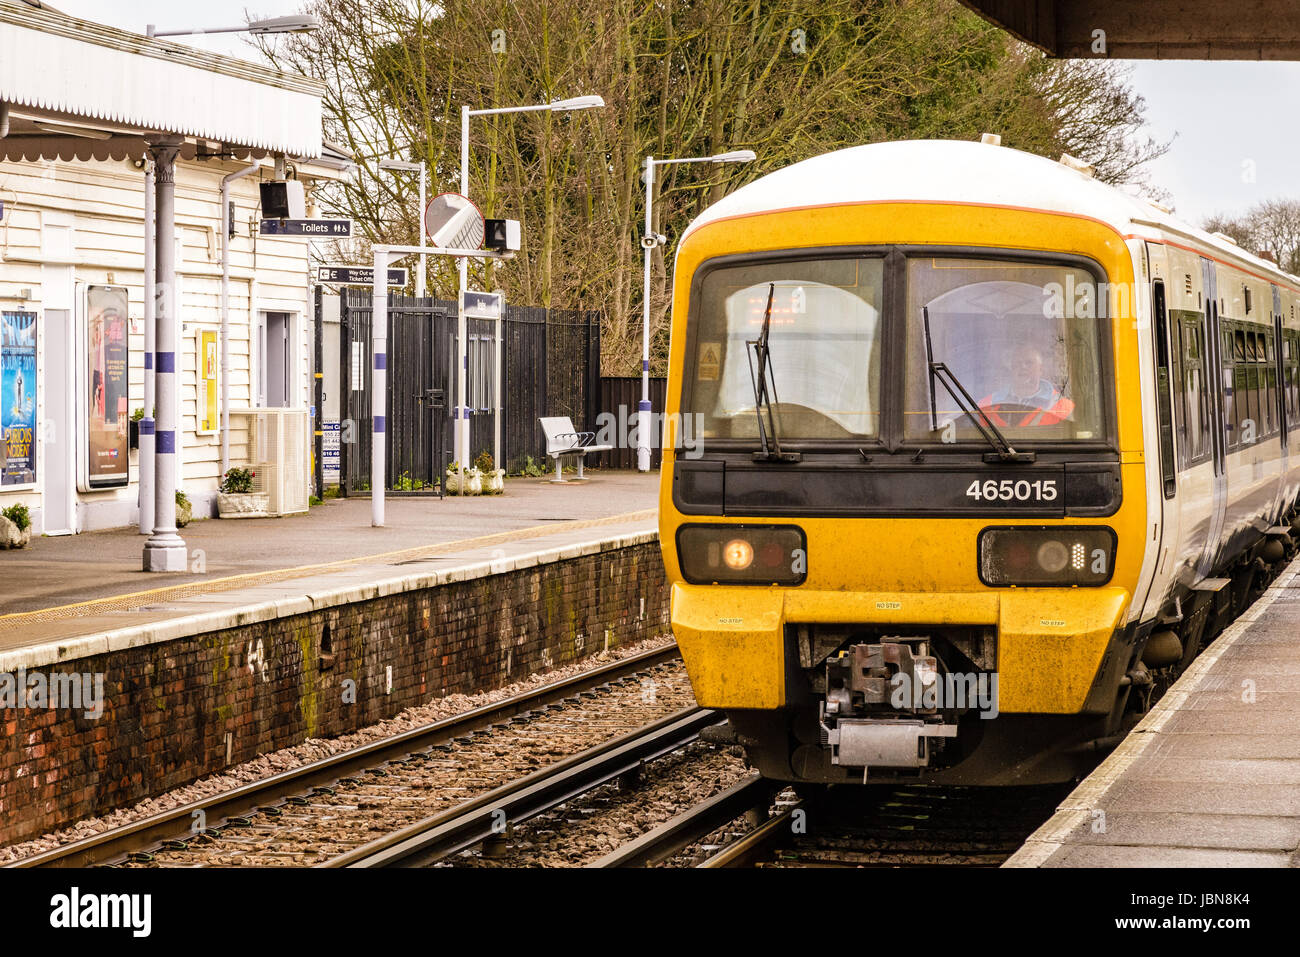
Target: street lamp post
point(649, 241)
point(403, 166)
point(462, 358)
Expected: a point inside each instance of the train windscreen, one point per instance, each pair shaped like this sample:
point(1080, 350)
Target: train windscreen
point(823, 348)
point(1024, 339)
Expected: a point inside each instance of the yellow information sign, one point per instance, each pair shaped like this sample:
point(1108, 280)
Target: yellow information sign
point(207, 363)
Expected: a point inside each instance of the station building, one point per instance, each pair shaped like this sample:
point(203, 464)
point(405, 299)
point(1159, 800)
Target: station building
point(83, 107)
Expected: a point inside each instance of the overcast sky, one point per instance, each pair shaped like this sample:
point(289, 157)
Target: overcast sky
point(1231, 150)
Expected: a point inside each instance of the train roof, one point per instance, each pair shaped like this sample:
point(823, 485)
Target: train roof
point(961, 171)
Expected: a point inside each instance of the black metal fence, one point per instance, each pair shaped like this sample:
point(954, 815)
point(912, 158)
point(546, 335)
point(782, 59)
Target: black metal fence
point(550, 366)
point(619, 398)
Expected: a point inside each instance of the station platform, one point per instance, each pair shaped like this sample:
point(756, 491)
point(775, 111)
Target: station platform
point(302, 627)
point(63, 588)
point(1211, 776)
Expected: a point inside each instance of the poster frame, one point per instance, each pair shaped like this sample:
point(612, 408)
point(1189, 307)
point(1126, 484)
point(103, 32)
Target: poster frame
point(36, 398)
point(84, 481)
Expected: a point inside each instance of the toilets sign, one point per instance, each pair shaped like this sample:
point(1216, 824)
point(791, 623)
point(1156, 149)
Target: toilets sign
point(307, 228)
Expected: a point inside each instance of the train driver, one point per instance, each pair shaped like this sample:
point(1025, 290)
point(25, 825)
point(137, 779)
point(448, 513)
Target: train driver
point(1027, 399)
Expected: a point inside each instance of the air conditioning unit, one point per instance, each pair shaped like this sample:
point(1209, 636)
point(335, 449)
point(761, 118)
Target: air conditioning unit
point(277, 451)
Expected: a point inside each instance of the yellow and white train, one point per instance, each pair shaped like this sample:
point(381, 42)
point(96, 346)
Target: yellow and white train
point(982, 452)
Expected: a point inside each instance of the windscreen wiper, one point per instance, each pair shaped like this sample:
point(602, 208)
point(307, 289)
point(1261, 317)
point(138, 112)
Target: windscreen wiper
point(992, 434)
point(765, 390)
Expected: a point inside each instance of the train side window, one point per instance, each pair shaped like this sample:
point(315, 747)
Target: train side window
point(1291, 365)
point(1230, 385)
point(1162, 390)
point(1195, 395)
point(1178, 374)
point(1252, 409)
point(1288, 378)
point(1268, 373)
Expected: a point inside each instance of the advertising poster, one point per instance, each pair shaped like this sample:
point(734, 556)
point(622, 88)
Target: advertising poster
point(18, 398)
point(108, 456)
point(330, 452)
point(207, 361)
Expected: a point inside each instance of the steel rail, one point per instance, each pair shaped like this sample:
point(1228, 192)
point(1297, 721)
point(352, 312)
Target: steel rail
point(176, 824)
point(441, 835)
point(759, 844)
point(674, 836)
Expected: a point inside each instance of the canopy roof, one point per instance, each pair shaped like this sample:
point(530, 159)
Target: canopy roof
point(1152, 29)
point(81, 90)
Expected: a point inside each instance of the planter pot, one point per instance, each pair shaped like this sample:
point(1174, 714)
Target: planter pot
point(184, 513)
point(11, 536)
point(242, 504)
point(494, 482)
point(133, 433)
point(473, 482)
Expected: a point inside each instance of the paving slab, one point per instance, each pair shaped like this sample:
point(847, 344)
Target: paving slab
point(1204, 831)
point(1211, 776)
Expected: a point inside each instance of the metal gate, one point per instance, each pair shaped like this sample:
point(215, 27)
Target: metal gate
point(550, 365)
point(417, 408)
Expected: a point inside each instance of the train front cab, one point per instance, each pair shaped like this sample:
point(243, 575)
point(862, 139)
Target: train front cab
point(896, 595)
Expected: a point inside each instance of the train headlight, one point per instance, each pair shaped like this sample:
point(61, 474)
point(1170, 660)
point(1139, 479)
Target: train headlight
point(1047, 555)
point(743, 554)
point(1052, 556)
point(738, 554)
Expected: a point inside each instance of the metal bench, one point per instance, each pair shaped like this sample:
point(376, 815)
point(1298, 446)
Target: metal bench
point(563, 441)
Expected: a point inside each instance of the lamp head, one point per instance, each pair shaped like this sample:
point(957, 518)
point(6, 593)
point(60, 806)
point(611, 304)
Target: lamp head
point(735, 156)
point(299, 23)
point(578, 103)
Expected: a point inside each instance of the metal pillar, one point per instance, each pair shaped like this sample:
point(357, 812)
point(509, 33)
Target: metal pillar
point(378, 388)
point(461, 413)
point(643, 407)
point(424, 236)
point(497, 401)
point(147, 462)
point(165, 550)
point(318, 396)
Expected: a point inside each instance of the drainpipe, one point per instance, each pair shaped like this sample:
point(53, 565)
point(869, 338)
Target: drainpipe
point(225, 311)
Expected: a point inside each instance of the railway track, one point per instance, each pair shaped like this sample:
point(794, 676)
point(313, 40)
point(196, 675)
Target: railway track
point(321, 811)
point(747, 798)
point(438, 837)
point(921, 826)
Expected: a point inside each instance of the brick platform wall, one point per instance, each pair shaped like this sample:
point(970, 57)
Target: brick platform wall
point(180, 709)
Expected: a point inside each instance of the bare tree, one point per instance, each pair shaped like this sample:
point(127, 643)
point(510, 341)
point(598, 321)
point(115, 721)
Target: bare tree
point(681, 78)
